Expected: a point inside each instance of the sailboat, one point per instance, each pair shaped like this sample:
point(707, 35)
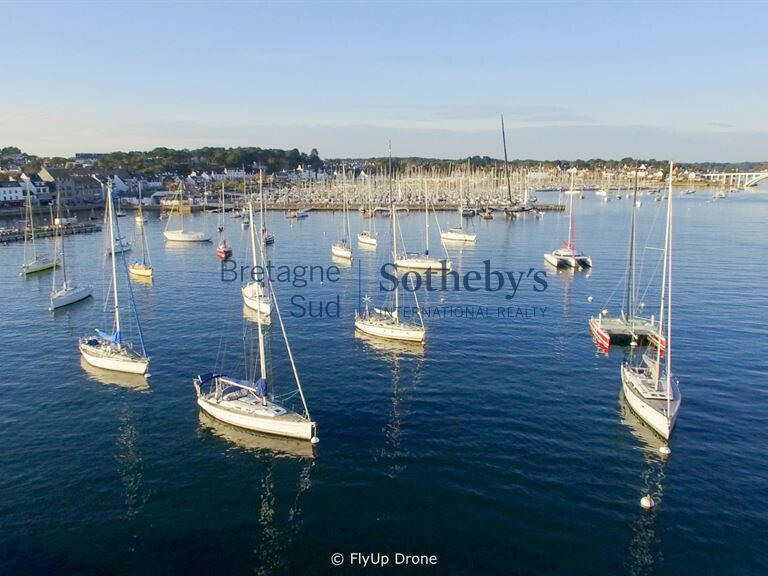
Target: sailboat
point(253, 405)
point(458, 234)
point(223, 250)
point(342, 249)
point(253, 292)
point(652, 394)
point(107, 350)
point(39, 262)
point(142, 267)
point(416, 261)
point(368, 237)
point(569, 256)
point(179, 234)
point(267, 238)
point(68, 293)
point(386, 323)
point(572, 191)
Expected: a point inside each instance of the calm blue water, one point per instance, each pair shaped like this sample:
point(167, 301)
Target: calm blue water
point(502, 448)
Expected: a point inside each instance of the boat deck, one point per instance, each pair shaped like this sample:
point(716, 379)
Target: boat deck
point(618, 330)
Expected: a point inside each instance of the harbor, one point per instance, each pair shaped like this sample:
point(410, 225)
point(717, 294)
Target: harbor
point(145, 434)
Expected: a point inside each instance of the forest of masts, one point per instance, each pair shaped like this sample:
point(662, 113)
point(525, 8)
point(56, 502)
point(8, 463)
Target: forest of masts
point(471, 187)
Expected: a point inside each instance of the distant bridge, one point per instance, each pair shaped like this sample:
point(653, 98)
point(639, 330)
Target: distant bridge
point(737, 179)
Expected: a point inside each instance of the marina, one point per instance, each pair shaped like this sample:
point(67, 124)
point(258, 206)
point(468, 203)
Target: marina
point(144, 436)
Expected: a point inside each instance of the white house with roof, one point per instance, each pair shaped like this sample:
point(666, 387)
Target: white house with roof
point(13, 191)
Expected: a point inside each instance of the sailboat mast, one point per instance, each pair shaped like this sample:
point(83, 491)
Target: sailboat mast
point(570, 220)
point(426, 216)
point(110, 212)
point(262, 360)
point(31, 223)
point(630, 311)
point(262, 206)
point(60, 234)
point(668, 347)
point(393, 217)
point(506, 162)
point(664, 286)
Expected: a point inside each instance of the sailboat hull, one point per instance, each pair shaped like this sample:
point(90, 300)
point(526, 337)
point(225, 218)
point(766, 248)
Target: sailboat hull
point(38, 265)
point(652, 411)
point(290, 425)
point(423, 263)
point(67, 296)
point(140, 270)
point(341, 251)
point(458, 236)
point(390, 331)
point(186, 236)
point(255, 300)
point(110, 359)
point(366, 239)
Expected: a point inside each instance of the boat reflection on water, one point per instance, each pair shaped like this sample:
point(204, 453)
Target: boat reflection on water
point(395, 354)
point(341, 262)
point(249, 441)
point(136, 382)
point(645, 546)
point(391, 350)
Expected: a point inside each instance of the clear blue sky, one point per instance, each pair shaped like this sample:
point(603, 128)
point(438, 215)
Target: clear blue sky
point(685, 80)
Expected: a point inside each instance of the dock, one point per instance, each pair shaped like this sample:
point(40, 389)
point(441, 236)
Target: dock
point(17, 235)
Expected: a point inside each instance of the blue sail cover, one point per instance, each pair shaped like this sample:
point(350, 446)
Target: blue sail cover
point(261, 388)
point(114, 337)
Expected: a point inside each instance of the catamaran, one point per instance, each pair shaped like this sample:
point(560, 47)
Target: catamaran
point(39, 262)
point(629, 327)
point(458, 234)
point(67, 293)
point(652, 394)
point(569, 256)
point(142, 267)
point(342, 249)
point(179, 234)
point(253, 292)
point(107, 350)
point(367, 238)
point(253, 405)
point(384, 323)
point(417, 261)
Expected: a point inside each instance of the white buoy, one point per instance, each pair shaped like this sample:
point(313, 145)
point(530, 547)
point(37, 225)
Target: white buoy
point(647, 502)
point(589, 299)
point(665, 450)
point(605, 311)
point(314, 440)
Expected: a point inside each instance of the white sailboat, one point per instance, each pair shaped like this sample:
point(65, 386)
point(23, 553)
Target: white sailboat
point(652, 394)
point(253, 292)
point(458, 234)
point(180, 234)
point(383, 323)
point(67, 293)
point(143, 267)
point(253, 405)
point(416, 261)
point(569, 256)
point(223, 250)
point(367, 238)
point(38, 262)
point(343, 249)
point(107, 350)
